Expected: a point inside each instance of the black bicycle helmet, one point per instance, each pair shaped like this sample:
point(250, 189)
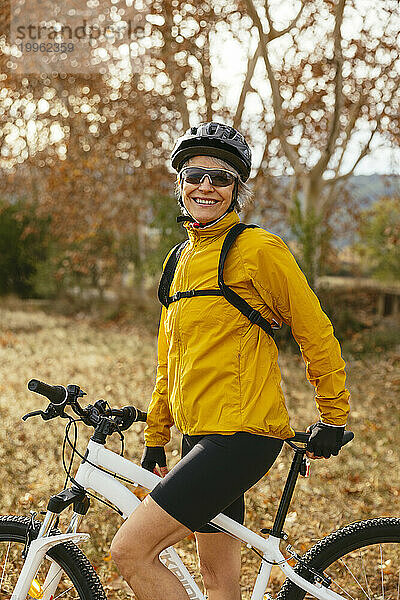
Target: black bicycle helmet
point(214, 139)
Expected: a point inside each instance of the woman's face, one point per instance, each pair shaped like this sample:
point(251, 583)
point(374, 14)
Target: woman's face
point(197, 197)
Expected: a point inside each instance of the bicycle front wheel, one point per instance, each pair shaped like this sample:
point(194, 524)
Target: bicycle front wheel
point(65, 567)
point(362, 560)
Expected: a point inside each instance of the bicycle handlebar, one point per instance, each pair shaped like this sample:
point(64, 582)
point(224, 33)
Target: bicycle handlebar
point(126, 416)
point(303, 437)
point(60, 397)
point(57, 394)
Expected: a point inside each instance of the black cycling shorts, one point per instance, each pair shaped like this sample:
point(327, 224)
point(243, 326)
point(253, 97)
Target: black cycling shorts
point(214, 472)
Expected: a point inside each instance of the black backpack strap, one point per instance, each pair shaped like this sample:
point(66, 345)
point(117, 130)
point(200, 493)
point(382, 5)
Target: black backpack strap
point(192, 293)
point(169, 272)
point(253, 315)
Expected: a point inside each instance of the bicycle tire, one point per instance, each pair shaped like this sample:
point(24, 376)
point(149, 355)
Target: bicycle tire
point(78, 573)
point(378, 543)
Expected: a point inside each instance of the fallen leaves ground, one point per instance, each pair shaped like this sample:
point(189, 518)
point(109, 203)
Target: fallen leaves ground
point(118, 363)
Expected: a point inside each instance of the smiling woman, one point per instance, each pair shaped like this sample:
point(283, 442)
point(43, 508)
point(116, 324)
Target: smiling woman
point(205, 201)
point(218, 379)
point(244, 192)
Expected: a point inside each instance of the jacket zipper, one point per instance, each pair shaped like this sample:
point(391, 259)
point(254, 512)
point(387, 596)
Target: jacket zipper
point(178, 312)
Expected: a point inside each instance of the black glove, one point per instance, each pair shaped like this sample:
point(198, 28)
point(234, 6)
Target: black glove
point(153, 455)
point(325, 440)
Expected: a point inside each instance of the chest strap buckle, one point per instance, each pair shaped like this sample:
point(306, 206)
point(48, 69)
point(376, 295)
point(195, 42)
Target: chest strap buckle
point(255, 317)
point(178, 295)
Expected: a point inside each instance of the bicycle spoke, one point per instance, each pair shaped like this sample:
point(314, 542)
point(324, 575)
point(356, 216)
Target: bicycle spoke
point(354, 577)
point(51, 581)
point(342, 589)
point(62, 593)
point(5, 564)
point(383, 586)
point(11, 562)
point(62, 574)
point(365, 574)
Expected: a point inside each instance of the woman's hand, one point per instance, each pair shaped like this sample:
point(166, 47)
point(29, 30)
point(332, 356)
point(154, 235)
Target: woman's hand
point(152, 456)
point(325, 440)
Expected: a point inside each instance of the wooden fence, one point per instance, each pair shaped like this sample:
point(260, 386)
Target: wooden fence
point(386, 296)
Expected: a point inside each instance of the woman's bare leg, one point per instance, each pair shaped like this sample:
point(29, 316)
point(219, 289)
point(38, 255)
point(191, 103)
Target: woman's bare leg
point(135, 549)
point(220, 561)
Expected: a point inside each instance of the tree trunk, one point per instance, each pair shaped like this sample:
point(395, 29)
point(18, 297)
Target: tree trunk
point(141, 252)
point(308, 227)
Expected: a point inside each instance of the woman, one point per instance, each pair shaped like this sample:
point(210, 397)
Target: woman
point(218, 378)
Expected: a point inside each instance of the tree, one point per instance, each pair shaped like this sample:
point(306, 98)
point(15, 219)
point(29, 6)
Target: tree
point(379, 246)
point(331, 77)
point(321, 97)
point(166, 234)
point(96, 175)
point(23, 246)
point(322, 77)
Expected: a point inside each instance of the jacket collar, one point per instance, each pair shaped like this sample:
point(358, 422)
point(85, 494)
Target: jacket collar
point(214, 230)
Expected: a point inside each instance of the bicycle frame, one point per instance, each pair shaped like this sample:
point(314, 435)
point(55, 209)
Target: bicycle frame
point(91, 478)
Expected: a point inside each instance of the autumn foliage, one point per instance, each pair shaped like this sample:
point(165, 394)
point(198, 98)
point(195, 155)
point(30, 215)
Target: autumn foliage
point(316, 88)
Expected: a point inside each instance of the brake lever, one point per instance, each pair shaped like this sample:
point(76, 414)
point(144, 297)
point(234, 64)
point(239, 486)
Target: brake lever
point(35, 413)
point(51, 412)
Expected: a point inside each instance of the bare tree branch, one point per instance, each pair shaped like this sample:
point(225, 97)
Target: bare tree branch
point(366, 147)
point(354, 113)
point(251, 65)
point(175, 73)
point(334, 126)
point(363, 153)
point(204, 60)
point(259, 174)
point(268, 15)
point(246, 86)
point(262, 182)
point(275, 33)
point(277, 101)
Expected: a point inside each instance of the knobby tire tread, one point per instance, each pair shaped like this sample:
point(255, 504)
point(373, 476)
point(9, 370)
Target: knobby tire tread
point(337, 544)
point(67, 555)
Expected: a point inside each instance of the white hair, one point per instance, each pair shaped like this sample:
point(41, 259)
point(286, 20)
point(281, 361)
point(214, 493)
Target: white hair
point(245, 193)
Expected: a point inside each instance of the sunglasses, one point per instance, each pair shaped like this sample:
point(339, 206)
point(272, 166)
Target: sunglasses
point(217, 177)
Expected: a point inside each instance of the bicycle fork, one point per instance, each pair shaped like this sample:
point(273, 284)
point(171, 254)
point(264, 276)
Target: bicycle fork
point(37, 550)
point(27, 582)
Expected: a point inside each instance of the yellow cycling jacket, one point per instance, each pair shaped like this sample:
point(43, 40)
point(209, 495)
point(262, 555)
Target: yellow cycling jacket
point(218, 373)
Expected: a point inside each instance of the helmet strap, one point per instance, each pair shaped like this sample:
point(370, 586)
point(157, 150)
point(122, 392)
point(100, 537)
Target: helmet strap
point(234, 195)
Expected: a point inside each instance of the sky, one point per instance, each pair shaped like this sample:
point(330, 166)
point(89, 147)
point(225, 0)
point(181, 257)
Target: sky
point(230, 61)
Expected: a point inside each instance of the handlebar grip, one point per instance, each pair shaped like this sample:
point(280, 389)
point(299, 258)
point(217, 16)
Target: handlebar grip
point(303, 436)
point(128, 416)
point(300, 436)
point(347, 437)
point(55, 393)
point(141, 416)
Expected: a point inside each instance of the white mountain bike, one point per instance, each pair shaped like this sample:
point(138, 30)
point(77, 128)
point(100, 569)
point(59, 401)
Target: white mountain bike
point(39, 561)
